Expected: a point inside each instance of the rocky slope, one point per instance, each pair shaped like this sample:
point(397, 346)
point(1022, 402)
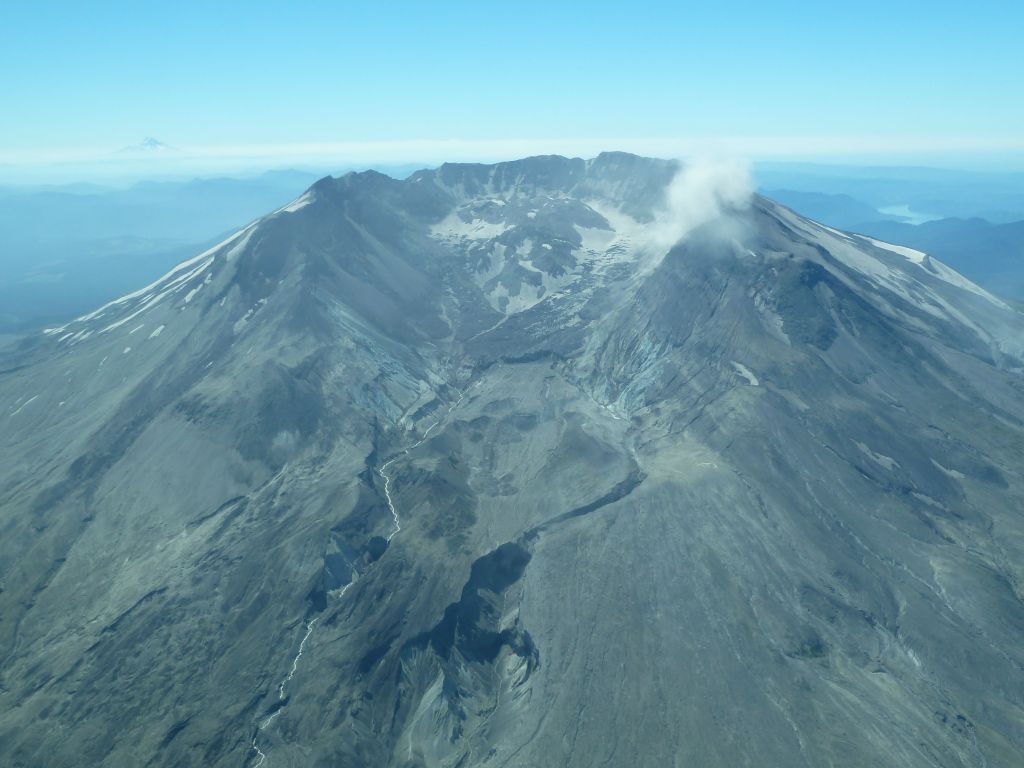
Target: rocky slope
point(553, 462)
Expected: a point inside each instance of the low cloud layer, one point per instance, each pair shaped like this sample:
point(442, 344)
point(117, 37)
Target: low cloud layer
point(34, 163)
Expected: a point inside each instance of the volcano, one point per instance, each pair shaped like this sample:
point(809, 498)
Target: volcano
point(553, 462)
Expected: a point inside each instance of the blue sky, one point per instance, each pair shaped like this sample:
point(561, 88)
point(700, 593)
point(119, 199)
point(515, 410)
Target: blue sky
point(405, 80)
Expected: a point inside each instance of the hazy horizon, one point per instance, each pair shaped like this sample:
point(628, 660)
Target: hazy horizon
point(227, 92)
point(115, 169)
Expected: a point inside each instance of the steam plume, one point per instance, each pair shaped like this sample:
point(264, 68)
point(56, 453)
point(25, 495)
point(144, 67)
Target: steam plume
point(703, 191)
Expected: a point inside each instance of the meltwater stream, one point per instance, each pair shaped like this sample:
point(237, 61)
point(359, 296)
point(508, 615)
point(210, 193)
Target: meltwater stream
point(382, 470)
point(260, 755)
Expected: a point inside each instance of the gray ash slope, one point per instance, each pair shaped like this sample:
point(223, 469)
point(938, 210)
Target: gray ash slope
point(754, 499)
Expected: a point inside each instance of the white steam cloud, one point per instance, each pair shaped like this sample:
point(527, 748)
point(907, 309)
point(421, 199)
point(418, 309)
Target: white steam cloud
point(704, 190)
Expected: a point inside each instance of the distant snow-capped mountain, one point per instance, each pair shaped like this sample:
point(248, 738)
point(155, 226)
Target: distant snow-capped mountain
point(148, 146)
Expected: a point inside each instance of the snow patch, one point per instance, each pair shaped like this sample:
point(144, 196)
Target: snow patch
point(743, 371)
point(239, 245)
point(908, 253)
point(297, 204)
point(15, 413)
point(189, 296)
point(241, 322)
point(595, 240)
point(454, 226)
point(209, 252)
point(949, 472)
point(171, 287)
point(835, 232)
point(881, 459)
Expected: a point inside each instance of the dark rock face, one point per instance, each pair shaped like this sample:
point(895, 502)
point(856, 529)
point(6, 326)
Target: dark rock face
point(468, 625)
point(478, 468)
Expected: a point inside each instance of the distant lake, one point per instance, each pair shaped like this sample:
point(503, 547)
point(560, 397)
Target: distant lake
point(909, 215)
